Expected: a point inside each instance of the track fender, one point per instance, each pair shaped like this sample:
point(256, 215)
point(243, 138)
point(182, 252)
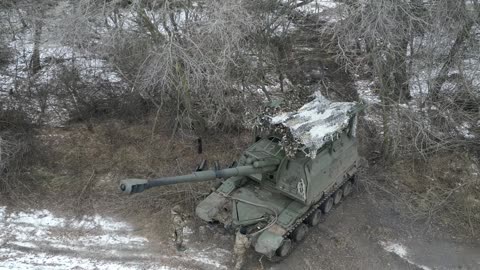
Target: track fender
point(268, 242)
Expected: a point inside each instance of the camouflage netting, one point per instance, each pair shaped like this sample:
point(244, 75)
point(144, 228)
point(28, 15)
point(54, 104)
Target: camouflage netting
point(312, 126)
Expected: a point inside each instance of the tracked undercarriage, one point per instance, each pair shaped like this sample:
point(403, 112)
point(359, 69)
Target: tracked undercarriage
point(295, 234)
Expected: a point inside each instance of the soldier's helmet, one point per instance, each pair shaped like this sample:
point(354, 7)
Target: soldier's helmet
point(177, 209)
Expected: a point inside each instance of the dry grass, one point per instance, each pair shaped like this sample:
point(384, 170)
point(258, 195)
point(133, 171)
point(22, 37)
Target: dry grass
point(18, 149)
point(441, 191)
point(85, 164)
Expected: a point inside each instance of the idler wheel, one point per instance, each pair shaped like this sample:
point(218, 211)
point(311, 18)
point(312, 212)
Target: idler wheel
point(347, 188)
point(327, 205)
point(285, 248)
point(314, 218)
point(300, 232)
point(337, 197)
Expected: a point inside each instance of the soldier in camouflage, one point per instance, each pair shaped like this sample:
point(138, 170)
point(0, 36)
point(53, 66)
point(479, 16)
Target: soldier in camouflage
point(242, 243)
point(179, 223)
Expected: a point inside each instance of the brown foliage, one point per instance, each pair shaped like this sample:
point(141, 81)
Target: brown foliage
point(17, 148)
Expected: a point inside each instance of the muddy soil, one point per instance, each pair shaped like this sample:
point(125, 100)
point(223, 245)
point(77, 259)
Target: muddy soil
point(366, 231)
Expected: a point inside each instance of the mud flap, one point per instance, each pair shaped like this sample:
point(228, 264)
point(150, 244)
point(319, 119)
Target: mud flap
point(267, 243)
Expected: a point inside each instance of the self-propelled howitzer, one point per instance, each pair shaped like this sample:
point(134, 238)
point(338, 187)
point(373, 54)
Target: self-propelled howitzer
point(276, 196)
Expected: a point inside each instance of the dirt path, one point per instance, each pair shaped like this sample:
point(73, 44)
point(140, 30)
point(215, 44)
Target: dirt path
point(364, 232)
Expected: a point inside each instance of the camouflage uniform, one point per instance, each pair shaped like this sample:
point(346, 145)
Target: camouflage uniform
point(178, 221)
point(242, 243)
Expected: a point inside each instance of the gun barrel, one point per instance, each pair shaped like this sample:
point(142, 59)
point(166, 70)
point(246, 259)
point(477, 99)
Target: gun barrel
point(209, 175)
point(139, 185)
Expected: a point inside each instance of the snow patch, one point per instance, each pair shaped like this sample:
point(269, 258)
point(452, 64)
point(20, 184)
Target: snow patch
point(205, 257)
point(106, 224)
point(187, 231)
point(2, 212)
point(396, 248)
point(42, 218)
point(24, 244)
point(318, 6)
point(402, 252)
point(39, 239)
point(365, 91)
point(464, 130)
point(45, 261)
point(206, 260)
point(25, 236)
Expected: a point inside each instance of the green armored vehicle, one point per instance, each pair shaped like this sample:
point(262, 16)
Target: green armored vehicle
point(276, 195)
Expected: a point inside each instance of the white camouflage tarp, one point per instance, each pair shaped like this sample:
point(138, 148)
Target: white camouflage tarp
point(316, 122)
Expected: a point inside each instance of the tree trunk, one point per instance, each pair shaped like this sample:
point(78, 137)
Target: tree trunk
point(148, 24)
point(197, 122)
point(455, 50)
point(401, 89)
point(35, 60)
point(385, 81)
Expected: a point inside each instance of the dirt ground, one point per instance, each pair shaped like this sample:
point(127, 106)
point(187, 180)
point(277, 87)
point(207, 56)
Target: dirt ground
point(365, 231)
point(76, 218)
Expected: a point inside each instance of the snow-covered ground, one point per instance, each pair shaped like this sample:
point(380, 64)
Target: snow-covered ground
point(38, 239)
point(318, 6)
point(434, 254)
point(402, 252)
point(366, 93)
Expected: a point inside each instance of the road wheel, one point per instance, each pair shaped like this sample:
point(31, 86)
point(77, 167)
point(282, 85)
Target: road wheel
point(314, 218)
point(347, 188)
point(337, 196)
point(300, 232)
point(285, 248)
point(327, 205)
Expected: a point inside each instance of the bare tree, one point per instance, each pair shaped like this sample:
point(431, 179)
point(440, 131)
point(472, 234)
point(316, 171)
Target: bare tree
point(400, 43)
point(175, 53)
point(384, 30)
point(32, 15)
point(464, 17)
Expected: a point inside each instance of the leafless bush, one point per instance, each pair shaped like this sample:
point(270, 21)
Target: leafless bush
point(7, 150)
point(449, 194)
point(16, 147)
point(73, 98)
point(10, 151)
point(174, 54)
point(457, 206)
point(5, 54)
